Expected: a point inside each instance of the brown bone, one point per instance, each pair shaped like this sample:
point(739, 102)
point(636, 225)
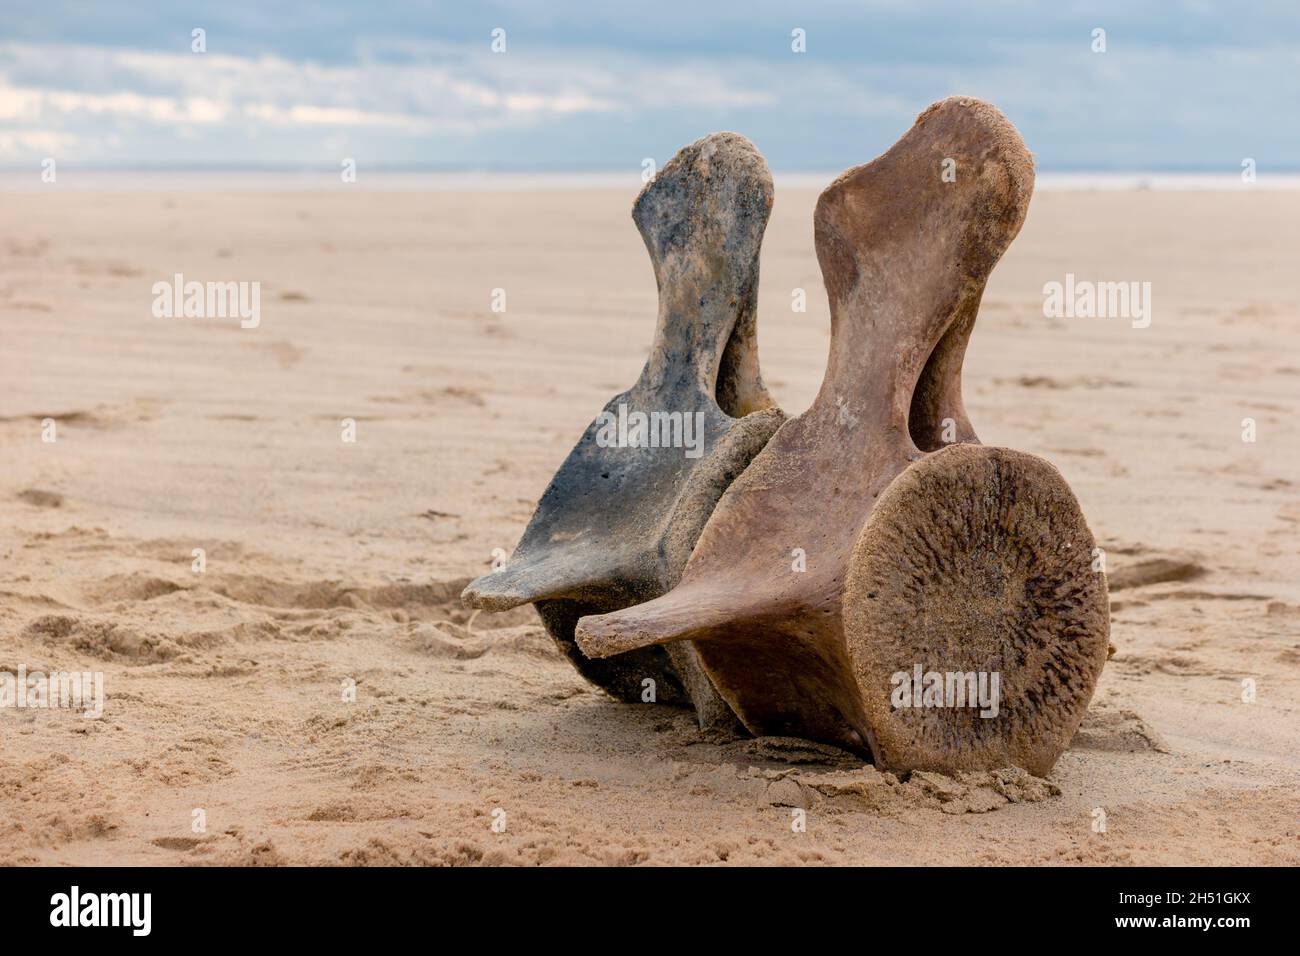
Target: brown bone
point(616, 524)
point(964, 558)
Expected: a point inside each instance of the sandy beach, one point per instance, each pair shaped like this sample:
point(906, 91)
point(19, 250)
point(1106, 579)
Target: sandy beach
point(331, 564)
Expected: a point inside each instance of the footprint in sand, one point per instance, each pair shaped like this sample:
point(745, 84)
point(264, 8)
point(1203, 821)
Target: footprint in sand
point(285, 352)
point(1153, 571)
point(1116, 731)
point(40, 498)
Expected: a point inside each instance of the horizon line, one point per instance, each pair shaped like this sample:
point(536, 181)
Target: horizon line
point(632, 169)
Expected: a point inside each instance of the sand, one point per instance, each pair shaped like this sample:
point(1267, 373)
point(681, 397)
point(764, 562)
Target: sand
point(330, 562)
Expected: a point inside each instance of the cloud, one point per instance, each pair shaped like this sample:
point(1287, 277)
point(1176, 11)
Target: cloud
point(446, 89)
point(34, 142)
point(583, 87)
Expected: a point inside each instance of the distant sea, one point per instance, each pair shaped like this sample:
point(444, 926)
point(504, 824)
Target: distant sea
point(380, 180)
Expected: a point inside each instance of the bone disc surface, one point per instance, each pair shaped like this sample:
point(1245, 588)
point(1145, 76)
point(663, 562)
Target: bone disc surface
point(976, 560)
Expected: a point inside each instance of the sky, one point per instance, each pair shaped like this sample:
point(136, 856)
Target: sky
point(1182, 85)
